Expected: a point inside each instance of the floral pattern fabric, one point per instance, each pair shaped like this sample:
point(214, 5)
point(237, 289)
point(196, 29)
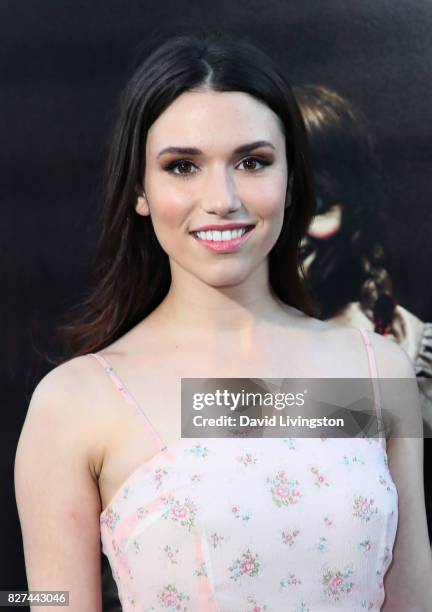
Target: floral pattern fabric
point(254, 525)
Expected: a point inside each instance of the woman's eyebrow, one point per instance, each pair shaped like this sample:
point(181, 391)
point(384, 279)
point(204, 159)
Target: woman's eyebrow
point(246, 148)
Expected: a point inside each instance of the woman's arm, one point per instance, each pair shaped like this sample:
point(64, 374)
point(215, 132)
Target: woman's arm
point(408, 583)
point(57, 494)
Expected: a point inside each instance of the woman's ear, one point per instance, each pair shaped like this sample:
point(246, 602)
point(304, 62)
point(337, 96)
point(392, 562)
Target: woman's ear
point(141, 206)
point(288, 199)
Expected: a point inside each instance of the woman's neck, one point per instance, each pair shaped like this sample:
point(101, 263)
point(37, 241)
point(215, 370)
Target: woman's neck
point(230, 315)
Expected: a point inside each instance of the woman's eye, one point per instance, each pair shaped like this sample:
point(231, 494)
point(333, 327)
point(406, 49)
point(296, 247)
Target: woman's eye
point(182, 167)
point(254, 163)
point(185, 168)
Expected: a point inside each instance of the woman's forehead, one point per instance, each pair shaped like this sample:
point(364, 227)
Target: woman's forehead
point(208, 119)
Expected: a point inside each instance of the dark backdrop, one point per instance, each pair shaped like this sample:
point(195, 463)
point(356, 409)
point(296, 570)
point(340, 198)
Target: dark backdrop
point(62, 66)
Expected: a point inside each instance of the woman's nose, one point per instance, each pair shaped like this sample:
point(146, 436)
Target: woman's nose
point(220, 194)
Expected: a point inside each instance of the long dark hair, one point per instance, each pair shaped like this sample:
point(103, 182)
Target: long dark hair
point(132, 273)
point(351, 265)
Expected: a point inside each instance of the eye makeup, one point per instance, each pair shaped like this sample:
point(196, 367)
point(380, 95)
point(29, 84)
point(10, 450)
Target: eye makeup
point(178, 164)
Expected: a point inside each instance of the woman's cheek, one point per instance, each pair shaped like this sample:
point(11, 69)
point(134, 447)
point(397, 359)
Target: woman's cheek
point(265, 199)
point(270, 205)
point(172, 210)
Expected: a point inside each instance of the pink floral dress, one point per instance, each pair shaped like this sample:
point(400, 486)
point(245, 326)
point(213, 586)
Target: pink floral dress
point(253, 525)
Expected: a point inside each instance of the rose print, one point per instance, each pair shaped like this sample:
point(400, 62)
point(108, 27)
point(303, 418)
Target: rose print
point(110, 519)
point(320, 480)
point(244, 516)
point(354, 459)
point(142, 511)
point(365, 546)
point(380, 580)
point(246, 565)
point(291, 442)
point(171, 599)
point(255, 607)
point(247, 459)
point(288, 537)
point(216, 539)
point(292, 580)
point(384, 482)
point(171, 553)
point(284, 492)
point(202, 570)
point(363, 508)
point(337, 583)
point(182, 512)
point(158, 476)
point(116, 547)
point(322, 545)
point(198, 450)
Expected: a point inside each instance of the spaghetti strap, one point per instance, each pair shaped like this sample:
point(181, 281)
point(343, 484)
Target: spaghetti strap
point(138, 411)
point(373, 372)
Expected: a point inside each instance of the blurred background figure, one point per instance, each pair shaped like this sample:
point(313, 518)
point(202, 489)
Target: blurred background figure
point(345, 256)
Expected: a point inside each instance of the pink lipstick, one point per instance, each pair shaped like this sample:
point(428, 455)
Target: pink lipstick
point(226, 238)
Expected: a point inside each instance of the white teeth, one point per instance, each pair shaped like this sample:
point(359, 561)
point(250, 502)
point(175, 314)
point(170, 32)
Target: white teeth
point(218, 236)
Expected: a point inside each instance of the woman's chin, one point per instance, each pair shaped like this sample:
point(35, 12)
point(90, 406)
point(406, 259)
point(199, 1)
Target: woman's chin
point(225, 280)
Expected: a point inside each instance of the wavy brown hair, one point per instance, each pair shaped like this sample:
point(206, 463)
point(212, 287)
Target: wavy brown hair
point(132, 272)
point(351, 265)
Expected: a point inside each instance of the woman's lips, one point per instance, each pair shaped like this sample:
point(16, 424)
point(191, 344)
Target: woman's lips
point(225, 246)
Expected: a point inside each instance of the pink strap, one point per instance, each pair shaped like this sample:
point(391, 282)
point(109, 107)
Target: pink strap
point(373, 371)
point(138, 411)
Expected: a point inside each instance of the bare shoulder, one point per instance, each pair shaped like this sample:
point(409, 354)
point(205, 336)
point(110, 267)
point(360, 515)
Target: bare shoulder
point(397, 383)
point(66, 390)
point(65, 382)
point(69, 404)
point(59, 427)
point(392, 359)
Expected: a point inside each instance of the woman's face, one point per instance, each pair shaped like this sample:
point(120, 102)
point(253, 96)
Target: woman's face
point(215, 159)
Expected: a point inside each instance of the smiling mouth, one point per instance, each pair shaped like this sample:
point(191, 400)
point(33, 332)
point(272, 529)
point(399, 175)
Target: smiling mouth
point(223, 236)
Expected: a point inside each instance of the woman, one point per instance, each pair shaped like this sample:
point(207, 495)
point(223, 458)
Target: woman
point(344, 252)
point(210, 137)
